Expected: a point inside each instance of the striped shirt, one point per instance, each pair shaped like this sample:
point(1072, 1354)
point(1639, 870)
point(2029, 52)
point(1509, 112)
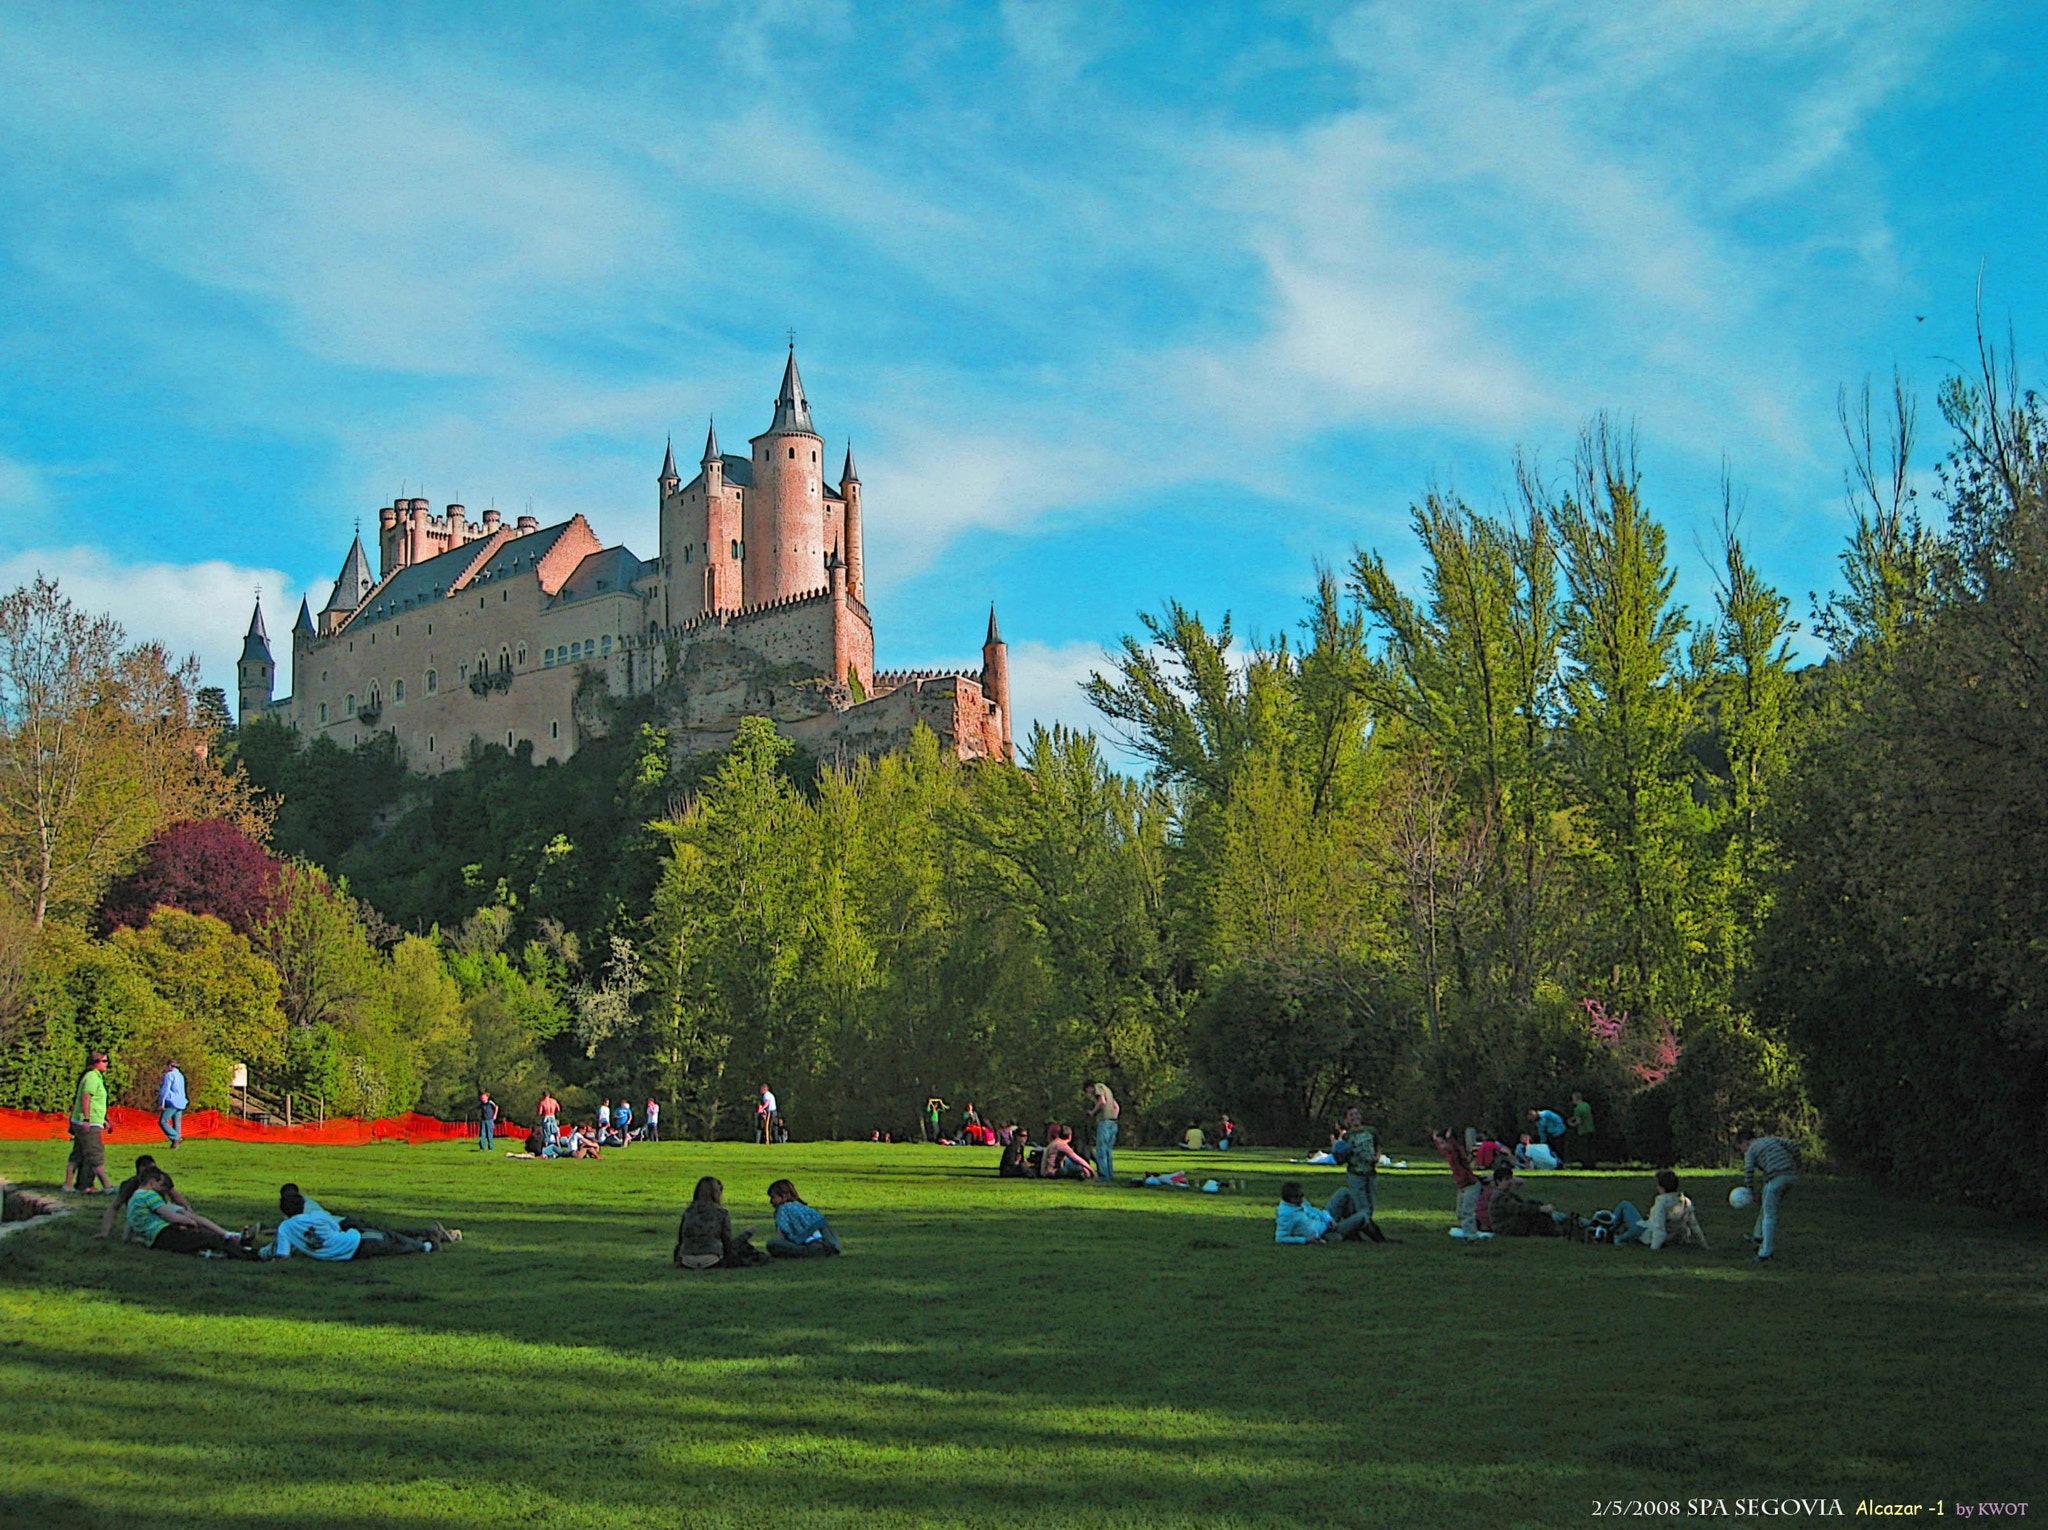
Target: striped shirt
point(1770, 1157)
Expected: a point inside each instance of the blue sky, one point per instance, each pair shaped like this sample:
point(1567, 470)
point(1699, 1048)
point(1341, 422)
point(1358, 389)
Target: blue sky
point(1116, 302)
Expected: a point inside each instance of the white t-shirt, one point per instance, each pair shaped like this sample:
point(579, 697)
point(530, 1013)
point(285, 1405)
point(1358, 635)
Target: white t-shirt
point(314, 1231)
point(767, 1102)
point(653, 1112)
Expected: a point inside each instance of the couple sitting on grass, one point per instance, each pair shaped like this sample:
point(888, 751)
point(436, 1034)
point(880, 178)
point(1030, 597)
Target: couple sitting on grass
point(705, 1239)
point(1506, 1209)
point(154, 1213)
point(1058, 1159)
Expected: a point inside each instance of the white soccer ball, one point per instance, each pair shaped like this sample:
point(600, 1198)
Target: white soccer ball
point(1742, 1197)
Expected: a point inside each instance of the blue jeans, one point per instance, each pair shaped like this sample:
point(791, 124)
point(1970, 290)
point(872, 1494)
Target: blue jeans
point(172, 1120)
point(1631, 1223)
point(483, 1136)
point(1767, 1211)
point(1105, 1145)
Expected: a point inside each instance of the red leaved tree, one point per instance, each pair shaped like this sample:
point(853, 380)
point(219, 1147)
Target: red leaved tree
point(203, 866)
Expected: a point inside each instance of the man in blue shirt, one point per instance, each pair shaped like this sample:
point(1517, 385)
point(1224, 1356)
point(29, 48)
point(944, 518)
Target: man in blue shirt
point(170, 1103)
point(1549, 1130)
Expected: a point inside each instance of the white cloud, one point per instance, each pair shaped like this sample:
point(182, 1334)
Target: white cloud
point(1045, 685)
point(23, 492)
point(191, 608)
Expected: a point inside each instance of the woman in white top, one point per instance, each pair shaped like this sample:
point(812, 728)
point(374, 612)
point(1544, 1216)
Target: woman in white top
point(1104, 1108)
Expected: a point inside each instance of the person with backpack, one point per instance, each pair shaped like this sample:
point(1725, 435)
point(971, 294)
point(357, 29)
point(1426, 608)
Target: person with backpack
point(1357, 1148)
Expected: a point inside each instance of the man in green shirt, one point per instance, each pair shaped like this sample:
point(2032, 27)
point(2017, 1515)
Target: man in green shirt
point(1582, 1129)
point(88, 1161)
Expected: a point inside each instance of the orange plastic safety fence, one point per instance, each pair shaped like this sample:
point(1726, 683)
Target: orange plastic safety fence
point(125, 1123)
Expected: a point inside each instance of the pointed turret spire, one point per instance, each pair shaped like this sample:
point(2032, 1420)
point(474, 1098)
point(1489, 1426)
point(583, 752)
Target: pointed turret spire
point(710, 444)
point(792, 409)
point(256, 644)
point(994, 637)
point(303, 627)
point(849, 473)
point(354, 582)
point(256, 627)
point(668, 463)
point(833, 561)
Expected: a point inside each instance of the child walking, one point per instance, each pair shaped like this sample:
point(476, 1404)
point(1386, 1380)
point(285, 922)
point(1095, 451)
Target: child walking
point(801, 1231)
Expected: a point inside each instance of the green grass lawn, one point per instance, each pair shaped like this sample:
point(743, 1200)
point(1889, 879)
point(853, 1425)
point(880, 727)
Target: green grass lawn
point(994, 1353)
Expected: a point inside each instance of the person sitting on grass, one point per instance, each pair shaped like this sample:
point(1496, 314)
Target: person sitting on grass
point(126, 1191)
point(575, 1145)
point(1295, 1221)
point(704, 1237)
point(1060, 1160)
point(1193, 1140)
point(158, 1222)
point(1016, 1159)
point(310, 1228)
point(1673, 1218)
point(1514, 1214)
point(801, 1231)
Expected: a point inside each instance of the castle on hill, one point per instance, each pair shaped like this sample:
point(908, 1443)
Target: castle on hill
point(499, 633)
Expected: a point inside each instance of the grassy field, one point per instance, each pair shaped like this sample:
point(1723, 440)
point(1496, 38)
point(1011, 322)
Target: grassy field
point(995, 1353)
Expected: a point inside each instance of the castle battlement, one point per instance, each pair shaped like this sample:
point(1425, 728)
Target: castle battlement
point(891, 679)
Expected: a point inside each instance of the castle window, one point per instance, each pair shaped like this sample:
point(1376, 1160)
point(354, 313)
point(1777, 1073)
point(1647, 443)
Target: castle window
point(607, 642)
point(398, 690)
point(590, 648)
point(508, 738)
point(554, 730)
point(547, 658)
point(430, 633)
point(503, 596)
point(483, 662)
point(522, 656)
point(462, 671)
point(351, 705)
point(430, 743)
point(433, 685)
point(479, 602)
point(376, 695)
point(814, 456)
point(323, 677)
point(323, 712)
point(792, 454)
point(504, 660)
point(735, 549)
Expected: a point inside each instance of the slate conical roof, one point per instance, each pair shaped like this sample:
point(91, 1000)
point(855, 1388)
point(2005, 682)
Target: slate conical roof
point(354, 582)
point(849, 473)
point(668, 463)
point(710, 445)
point(257, 644)
point(994, 637)
point(792, 409)
point(304, 625)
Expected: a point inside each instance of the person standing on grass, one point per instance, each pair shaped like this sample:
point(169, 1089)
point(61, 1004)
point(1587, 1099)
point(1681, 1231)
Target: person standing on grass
point(622, 1119)
point(170, 1103)
point(1775, 1163)
point(1582, 1129)
point(88, 1161)
point(1226, 1130)
point(764, 1114)
point(1104, 1108)
point(801, 1231)
point(1549, 1128)
point(1463, 1179)
point(653, 1120)
point(486, 1120)
point(1357, 1148)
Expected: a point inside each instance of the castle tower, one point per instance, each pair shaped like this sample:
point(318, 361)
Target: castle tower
point(256, 673)
point(995, 677)
point(849, 490)
point(782, 525)
point(351, 587)
point(669, 481)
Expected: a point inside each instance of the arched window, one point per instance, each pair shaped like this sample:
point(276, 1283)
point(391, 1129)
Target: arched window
point(554, 730)
point(547, 659)
point(735, 547)
point(351, 706)
point(433, 685)
point(521, 657)
point(323, 712)
point(504, 661)
point(398, 690)
point(376, 695)
point(607, 642)
point(792, 454)
point(483, 662)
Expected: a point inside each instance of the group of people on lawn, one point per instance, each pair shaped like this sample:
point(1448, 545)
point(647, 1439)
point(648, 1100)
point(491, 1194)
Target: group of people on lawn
point(551, 1139)
point(148, 1208)
point(1501, 1204)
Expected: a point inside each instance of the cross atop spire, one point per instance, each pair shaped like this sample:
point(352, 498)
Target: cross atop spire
point(256, 643)
point(792, 409)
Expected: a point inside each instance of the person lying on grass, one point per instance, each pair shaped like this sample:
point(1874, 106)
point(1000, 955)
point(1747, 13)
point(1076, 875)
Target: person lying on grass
point(801, 1231)
point(1060, 1160)
point(119, 1210)
point(310, 1228)
point(1295, 1221)
point(704, 1237)
point(158, 1222)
